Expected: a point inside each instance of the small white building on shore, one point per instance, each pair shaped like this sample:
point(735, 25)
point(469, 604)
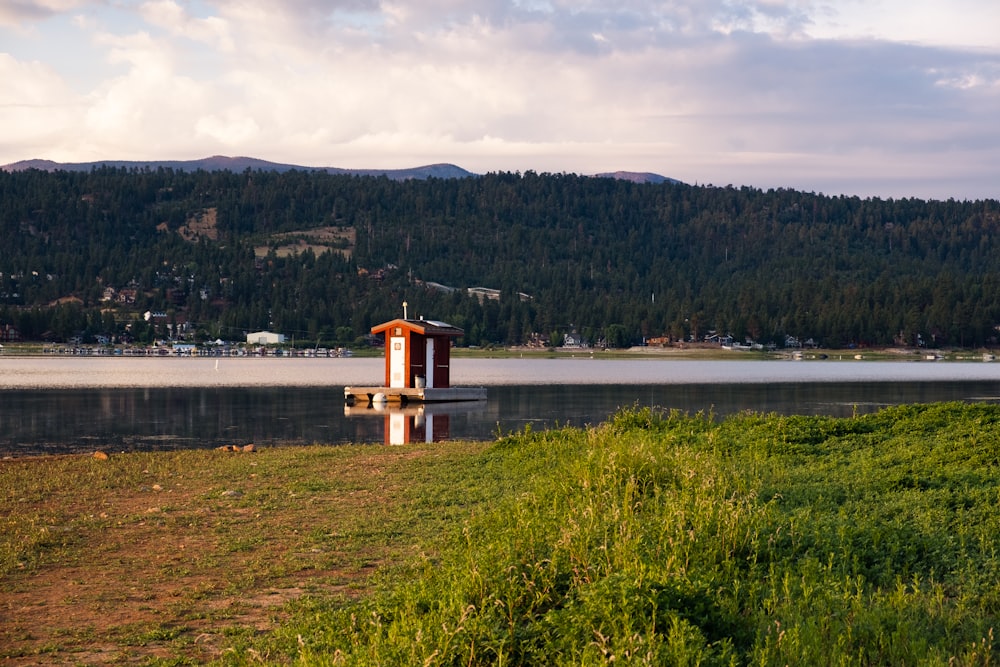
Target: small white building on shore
point(265, 338)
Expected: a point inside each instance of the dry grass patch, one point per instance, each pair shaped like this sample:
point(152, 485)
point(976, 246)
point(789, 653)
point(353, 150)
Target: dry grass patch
point(165, 555)
point(319, 240)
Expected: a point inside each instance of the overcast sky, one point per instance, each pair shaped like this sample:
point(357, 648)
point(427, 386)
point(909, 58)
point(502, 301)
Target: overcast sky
point(889, 98)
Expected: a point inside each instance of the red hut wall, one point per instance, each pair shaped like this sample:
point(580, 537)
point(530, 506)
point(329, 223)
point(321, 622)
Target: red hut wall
point(418, 358)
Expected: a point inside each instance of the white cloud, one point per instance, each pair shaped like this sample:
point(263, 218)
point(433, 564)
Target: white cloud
point(148, 109)
point(18, 13)
point(713, 90)
point(171, 16)
point(35, 106)
point(233, 129)
point(956, 23)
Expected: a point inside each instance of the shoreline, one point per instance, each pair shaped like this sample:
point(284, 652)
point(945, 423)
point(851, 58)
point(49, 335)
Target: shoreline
point(680, 351)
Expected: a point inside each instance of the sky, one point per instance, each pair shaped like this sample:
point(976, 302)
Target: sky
point(884, 98)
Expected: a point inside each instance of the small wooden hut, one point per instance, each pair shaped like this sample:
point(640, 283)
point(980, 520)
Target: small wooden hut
point(417, 364)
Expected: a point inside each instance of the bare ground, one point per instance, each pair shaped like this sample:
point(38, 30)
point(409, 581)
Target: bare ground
point(176, 565)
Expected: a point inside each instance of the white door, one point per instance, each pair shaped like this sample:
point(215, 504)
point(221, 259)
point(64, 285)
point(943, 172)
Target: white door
point(429, 363)
point(397, 362)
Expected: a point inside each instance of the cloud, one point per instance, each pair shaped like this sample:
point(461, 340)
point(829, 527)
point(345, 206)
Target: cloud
point(21, 12)
point(696, 90)
point(957, 23)
point(35, 106)
point(234, 128)
point(171, 16)
point(148, 108)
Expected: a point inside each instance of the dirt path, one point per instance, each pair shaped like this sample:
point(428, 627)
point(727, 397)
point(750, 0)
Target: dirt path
point(178, 565)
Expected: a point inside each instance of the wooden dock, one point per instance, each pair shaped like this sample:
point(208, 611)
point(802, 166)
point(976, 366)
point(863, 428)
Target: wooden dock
point(404, 395)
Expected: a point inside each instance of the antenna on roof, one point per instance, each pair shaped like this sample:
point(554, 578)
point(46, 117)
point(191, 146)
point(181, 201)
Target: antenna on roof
point(404, 309)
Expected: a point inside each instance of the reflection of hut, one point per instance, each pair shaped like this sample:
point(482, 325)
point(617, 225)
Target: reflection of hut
point(403, 428)
point(417, 364)
point(424, 422)
point(414, 423)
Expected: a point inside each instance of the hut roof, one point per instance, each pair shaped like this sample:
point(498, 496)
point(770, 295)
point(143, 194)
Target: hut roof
point(424, 327)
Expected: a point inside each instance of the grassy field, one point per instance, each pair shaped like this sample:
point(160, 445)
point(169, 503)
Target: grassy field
point(661, 539)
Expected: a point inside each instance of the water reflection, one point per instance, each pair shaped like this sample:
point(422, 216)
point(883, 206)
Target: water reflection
point(79, 420)
point(429, 422)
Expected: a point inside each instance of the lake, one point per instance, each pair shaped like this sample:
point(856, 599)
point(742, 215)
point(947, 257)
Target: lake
point(65, 405)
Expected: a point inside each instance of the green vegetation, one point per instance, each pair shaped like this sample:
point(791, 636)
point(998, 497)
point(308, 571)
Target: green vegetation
point(655, 538)
point(670, 540)
point(322, 258)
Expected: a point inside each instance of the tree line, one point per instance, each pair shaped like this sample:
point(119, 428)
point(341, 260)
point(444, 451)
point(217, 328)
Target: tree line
point(615, 261)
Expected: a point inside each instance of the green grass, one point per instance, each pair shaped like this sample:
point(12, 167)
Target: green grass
point(667, 539)
point(655, 538)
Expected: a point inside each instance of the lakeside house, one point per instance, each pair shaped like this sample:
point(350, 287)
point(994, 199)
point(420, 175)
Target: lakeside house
point(574, 340)
point(9, 333)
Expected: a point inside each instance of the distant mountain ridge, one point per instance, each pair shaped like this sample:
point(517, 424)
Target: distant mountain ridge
point(637, 177)
point(238, 164)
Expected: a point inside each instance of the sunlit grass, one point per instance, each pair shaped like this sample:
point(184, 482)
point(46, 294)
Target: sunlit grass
point(667, 539)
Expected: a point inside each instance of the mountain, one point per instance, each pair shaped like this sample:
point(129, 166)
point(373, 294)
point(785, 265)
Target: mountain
point(238, 164)
point(637, 177)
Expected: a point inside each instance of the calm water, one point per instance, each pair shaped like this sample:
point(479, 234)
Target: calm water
point(53, 405)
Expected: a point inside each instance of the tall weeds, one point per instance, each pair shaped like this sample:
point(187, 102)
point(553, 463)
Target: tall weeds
point(667, 539)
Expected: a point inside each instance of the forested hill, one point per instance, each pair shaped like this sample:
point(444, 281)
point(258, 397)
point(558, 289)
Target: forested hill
point(324, 257)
